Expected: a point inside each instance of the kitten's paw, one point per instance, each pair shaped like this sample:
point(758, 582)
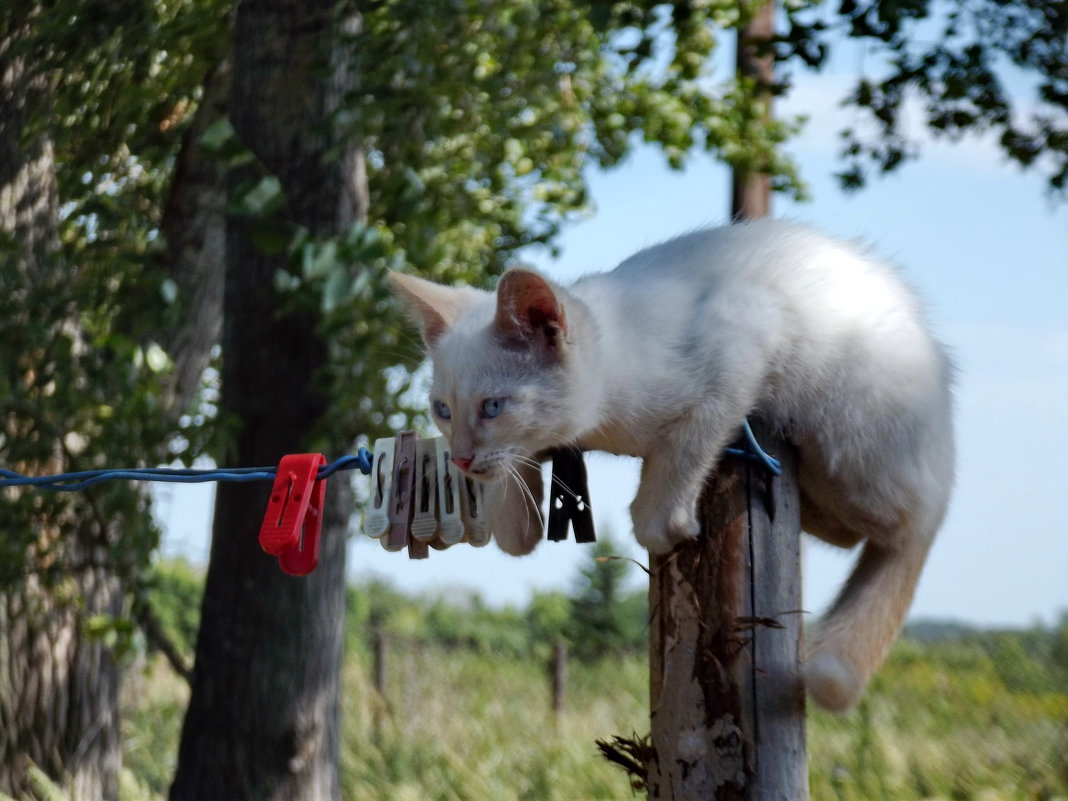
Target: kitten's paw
point(831, 681)
point(517, 539)
point(513, 517)
point(663, 529)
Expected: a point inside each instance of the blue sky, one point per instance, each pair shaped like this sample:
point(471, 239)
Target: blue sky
point(989, 252)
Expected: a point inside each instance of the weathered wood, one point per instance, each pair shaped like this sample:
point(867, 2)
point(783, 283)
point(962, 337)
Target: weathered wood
point(775, 717)
point(726, 698)
point(558, 672)
point(380, 670)
point(380, 650)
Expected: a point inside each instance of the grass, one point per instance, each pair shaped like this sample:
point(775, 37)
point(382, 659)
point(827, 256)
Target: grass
point(467, 726)
point(956, 714)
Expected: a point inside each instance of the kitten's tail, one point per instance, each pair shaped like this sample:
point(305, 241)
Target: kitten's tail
point(854, 637)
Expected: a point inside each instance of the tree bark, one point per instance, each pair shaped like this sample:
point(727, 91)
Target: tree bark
point(194, 225)
point(263, 719)
point(751, 189)
point(59, 687)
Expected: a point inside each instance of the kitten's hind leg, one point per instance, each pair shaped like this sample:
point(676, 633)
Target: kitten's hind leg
point(513, 509)
point(815, 520)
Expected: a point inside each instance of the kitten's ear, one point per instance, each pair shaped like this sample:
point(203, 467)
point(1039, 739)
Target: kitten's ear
point(432, 307)
point(529, 312)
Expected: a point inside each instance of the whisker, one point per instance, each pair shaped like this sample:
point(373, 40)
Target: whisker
point(530, 502)
point(527, 460)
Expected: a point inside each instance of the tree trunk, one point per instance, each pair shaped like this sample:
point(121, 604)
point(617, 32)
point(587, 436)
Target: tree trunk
point(263, 719)
point(59, 687)
point(751, 190)
point(195, 228)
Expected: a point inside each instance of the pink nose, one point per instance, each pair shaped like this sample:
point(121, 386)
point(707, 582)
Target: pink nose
point(463, 464)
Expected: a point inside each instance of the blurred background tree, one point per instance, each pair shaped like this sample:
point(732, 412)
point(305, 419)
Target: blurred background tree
point(606, 619)
point(87, 98)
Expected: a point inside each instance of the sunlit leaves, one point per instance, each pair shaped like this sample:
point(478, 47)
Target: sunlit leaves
point(950, 64)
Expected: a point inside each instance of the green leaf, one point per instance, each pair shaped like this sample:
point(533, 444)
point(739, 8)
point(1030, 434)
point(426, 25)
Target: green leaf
point(218, 136)
point(264, 197)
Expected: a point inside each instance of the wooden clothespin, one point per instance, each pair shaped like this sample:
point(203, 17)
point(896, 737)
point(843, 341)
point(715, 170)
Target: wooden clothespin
point(569, 498)
point(400, 502)
point(404, 509)
point(294, 518)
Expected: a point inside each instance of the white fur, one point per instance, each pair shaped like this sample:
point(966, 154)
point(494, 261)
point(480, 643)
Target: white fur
point(664, 357)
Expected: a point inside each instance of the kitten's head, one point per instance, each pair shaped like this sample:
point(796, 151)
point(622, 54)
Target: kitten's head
point(503, 376)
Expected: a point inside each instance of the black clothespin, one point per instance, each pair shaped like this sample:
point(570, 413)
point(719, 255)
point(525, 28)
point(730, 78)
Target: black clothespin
point(569, 497)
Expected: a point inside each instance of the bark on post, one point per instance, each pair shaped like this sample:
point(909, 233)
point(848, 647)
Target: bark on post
point(726, 698)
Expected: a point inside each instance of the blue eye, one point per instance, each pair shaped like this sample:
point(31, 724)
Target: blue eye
point(491, 407)
point(441, 409)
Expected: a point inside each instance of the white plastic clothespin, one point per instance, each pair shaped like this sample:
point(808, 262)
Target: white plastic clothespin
point(450, 515)
point(474, 513)
point(419, 497)
point(425, 517)
point(376, 518)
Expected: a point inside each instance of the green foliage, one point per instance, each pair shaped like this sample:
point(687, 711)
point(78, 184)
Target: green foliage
point(481, 120)
point(960, 718)
point(77, 393)
point(599, 619)
point(604, 619)
point(153, 708)
point(466, 726)
point(83, 382)
point(952, 57)
point(460, 721)
point(174, 590)
point(548, 617)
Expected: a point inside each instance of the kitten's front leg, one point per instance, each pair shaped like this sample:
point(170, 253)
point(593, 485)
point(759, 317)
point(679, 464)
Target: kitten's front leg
point(664, 511)
point(513, 510)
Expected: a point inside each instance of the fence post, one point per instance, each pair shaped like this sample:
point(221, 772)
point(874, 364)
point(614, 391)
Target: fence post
point(380, 649)
point(726, 698)
point(558, 669)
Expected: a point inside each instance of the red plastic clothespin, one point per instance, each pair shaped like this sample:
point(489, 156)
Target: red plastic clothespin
point(294, 518)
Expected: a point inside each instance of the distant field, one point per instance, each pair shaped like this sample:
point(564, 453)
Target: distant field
point(955, 715)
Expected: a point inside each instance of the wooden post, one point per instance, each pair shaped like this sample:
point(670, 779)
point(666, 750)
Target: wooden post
point(727, 701)
point(558, 670)
point(380, 648)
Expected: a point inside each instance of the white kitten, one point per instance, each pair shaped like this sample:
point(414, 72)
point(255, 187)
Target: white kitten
point(665, 356)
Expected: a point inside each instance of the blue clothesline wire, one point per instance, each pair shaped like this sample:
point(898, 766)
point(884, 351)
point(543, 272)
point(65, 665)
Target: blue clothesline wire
point(72, 482)
point(756, 453)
